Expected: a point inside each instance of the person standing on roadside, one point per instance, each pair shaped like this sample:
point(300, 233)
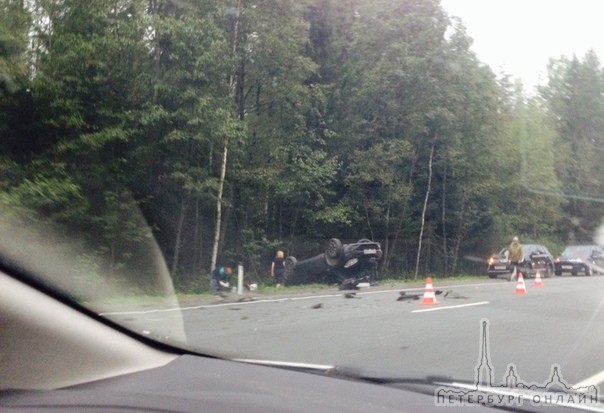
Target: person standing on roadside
point(515, 256)
point(278, 268)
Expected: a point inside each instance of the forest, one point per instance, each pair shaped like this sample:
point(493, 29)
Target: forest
point(239, 127)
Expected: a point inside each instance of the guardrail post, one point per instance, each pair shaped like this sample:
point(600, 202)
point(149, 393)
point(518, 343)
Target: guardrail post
point(240, 279)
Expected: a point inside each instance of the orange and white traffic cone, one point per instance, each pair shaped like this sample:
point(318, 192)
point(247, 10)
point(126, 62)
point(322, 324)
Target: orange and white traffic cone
point(538, 281)
point(520, 286)
point(429, 296)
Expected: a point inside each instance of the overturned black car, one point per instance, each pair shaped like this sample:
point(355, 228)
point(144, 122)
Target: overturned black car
point(346, 264)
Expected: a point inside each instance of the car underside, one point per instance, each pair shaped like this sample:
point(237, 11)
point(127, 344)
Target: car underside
point(346, 264)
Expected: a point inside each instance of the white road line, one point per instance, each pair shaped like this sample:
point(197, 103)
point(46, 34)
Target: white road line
point(229, 304)
point(436, 287)
point(285, 299)
point(425, 310)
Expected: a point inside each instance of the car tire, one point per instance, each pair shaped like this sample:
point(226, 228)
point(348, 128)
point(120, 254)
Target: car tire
point(587, 271)
point(333, 250)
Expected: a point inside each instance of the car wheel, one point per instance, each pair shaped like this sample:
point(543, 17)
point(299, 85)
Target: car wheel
point(334, 248)
point(333, 251)
point(587, 271)
point(558, 273)
point(548, 271)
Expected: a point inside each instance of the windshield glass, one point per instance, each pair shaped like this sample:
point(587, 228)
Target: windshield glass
point(320, 181)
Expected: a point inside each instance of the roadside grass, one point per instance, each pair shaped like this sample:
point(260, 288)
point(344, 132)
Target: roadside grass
point(295, 288)
point(195, 294)
point(142, 299)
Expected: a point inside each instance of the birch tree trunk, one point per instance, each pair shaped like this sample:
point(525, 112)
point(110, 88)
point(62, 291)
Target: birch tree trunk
point(223, 164)
point(425, 207)
point(218, 225)
point(444, 222)
point(399, 226)
point(176, 255)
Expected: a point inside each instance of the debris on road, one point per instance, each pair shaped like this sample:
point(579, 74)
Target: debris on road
point(454, 295)
point(404, 296)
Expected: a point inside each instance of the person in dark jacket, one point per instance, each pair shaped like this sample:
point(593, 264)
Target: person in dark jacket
point(220, 279)
point(278, 268)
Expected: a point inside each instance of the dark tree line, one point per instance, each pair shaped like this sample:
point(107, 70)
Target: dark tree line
point(239, 127)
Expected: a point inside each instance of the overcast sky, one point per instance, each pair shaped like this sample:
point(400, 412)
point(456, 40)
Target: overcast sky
point(519, 36)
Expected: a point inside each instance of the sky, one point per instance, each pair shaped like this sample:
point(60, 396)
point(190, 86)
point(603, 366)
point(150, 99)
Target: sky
point(518, 37)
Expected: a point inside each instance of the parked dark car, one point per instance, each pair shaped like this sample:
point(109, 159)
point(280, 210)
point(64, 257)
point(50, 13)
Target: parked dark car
point(345, 264)
point(537, 258)
point(575, 259)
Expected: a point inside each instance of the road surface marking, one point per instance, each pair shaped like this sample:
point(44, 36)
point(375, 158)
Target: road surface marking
point(286, 299)
point(425, 310)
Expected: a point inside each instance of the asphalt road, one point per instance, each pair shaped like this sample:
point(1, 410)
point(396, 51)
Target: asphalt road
point(560, 324)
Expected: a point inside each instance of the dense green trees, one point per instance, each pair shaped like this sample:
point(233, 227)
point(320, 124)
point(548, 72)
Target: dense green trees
point(575, 99)
point(239, 127)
